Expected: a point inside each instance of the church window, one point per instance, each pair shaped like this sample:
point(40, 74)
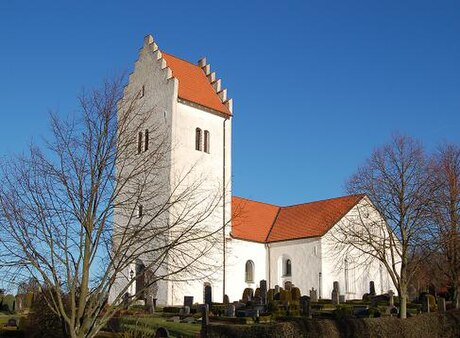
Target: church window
point(249, 272)
point(347, 278)
point(198, 139)
point(142, 92)
point(206, 141)
point(287, 268)
point(146, 140)
point(140, 211)
point(139, 142)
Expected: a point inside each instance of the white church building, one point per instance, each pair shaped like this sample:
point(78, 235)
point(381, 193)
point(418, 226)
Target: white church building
point(260, 241)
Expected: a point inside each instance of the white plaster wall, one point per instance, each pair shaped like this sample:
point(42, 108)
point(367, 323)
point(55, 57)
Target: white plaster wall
point(206, 170)
point(305, 263)
point(361, 268)
point(153, 112)
point(239, 252)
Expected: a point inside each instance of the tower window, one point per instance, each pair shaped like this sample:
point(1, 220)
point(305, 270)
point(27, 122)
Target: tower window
point(206, 141)
point(198, 139)
point(249, 272)
point(139, 142)
point(142, 92)
point(146, 140)
point(140, 211)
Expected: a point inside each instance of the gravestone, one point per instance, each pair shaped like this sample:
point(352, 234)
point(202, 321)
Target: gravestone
point(248, 294)
point(184, 311)
point(263, 291)
point(257, 300)
point(270, 295)
point(441, 304)
point(204, 321)
point(391, 295)
point(208, 295)
point(313, 295)
point(150, 304)
point(230, 310)
point(341, 299)
point(305, 306)
point(162, 332)
point(126, 301)
point(335, 297)
point(226, 300)
point(188, 301)
point(277, 289)
point(295, 294)
point(371, 288)
point(336, 287)
point(288, 285)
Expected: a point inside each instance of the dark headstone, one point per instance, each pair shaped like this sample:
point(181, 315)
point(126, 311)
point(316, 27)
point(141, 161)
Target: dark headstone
point(441, 304)
point(335, 297)
point(277, 289)
point(263, 291)
point(188, 301)
point(208, 295)
point(162, 332)
point(248, 294)
point(336, 287)
point(305, 306)
point(257, 300)
point(288, 285)
point(295, 294)
point(372, 288)
point(391, 296)
point(126, 301)
point(226, 300)
point(204, 321)
point(230, 310)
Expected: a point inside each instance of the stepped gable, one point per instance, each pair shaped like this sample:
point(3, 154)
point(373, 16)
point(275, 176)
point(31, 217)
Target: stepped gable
point(265, 223)
point(197, 84)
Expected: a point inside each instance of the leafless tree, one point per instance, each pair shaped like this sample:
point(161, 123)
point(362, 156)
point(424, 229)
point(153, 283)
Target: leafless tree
point(76, 213)
point(444, 171)
point(396, 182)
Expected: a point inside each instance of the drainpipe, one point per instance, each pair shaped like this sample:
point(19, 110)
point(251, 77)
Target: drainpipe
point(267, 246)
point(224, 246)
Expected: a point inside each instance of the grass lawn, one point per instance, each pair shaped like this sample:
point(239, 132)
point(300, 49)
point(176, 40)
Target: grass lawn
point(155, 321)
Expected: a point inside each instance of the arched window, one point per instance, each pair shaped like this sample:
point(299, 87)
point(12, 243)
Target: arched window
point(140, 211)
point(198, 139)
point(287, 268)
point(146, 140)
point(249, 272)
point(206, 141)
point(139, 142)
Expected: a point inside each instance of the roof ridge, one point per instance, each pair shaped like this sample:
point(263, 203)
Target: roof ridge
point(323, 200)
point(266, 203)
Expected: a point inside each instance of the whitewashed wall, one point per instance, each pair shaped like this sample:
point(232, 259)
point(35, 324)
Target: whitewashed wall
point(305, 263)
point(359, 271)
point(239, 252)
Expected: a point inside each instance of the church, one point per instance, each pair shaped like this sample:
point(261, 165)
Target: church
point(258, 241)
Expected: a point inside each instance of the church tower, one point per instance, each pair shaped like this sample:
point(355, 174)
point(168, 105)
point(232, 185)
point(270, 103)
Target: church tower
point(186, 104)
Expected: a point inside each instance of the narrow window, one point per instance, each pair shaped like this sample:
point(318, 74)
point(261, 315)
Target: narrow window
point(140, 211)
point(347, 281)
point(288, 268)
point(206, 141)
point(139, 142)
point(146, 140)
point(249, 272)
point(198, 139)
point(142, 92)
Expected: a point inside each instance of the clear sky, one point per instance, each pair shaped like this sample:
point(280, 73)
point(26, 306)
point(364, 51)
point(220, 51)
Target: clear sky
point(316, 84)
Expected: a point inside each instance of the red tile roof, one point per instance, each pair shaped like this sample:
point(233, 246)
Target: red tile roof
point(194, 86)
point(261, 222)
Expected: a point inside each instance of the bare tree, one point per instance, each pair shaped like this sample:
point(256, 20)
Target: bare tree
point(396, 182)
point(444, 210)
point(76, 214)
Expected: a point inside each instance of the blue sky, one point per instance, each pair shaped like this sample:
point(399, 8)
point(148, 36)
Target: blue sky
point(316, 84)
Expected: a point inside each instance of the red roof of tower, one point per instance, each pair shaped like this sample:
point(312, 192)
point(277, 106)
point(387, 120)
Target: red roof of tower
point(194, 86)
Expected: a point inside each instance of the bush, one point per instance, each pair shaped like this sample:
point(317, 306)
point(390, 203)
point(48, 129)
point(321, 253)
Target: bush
point(171, 309)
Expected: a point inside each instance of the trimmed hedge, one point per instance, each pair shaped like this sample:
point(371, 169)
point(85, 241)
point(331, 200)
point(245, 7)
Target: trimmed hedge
point(425, 325)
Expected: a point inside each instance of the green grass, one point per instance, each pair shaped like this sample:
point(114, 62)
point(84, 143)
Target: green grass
point(153, 322)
